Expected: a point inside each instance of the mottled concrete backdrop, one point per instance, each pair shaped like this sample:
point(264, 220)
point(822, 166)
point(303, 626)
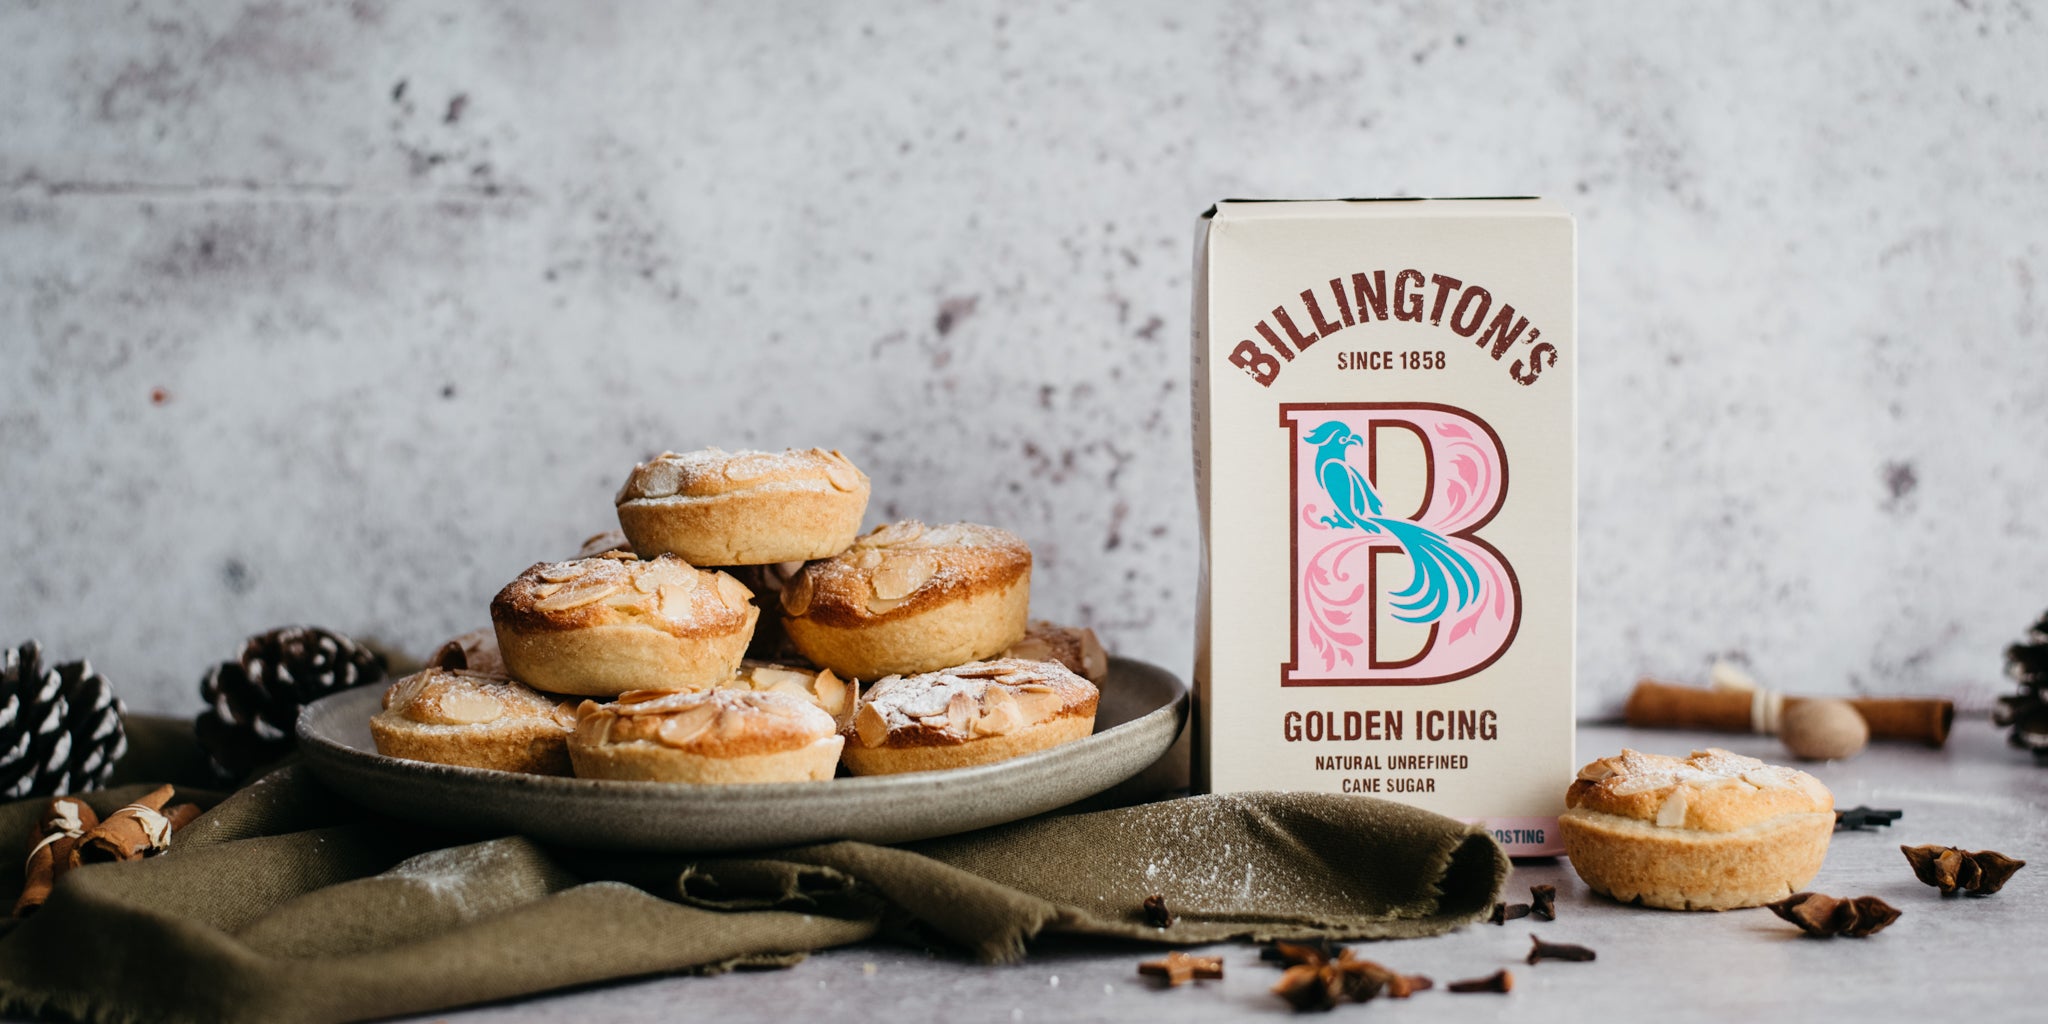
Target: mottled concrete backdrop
point(346, 312)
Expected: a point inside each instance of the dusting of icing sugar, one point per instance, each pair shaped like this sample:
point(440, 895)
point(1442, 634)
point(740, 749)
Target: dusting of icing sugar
point(664, 475)
point(906, 700)
point(1633, 771)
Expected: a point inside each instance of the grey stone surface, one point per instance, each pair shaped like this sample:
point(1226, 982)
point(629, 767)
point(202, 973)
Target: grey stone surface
point(1953, 959)
point(414, 284)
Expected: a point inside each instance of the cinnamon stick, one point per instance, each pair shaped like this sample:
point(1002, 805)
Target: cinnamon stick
point(57, 832)
point(131, 833)
point(1659, 705)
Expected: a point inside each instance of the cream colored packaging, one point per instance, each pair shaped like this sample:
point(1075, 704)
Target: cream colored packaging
point(1385, 432)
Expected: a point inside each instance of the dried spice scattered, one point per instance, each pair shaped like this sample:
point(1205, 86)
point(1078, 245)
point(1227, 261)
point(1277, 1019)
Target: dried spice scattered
point(1546, 901)
point(1824, 916)
point(1505, 912)
point(1313, 981)
point(1864, 819)
point(1541, 950)
point(1178, 968)
point(1291, 954)
point(1156, 913)
point(1949, 869)
point(1498, 981)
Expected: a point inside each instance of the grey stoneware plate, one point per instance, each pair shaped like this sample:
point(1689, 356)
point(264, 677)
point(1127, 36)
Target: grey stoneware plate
point(1143, 709)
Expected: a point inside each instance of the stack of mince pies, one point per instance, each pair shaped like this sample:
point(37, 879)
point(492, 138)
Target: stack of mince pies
point(725, 633)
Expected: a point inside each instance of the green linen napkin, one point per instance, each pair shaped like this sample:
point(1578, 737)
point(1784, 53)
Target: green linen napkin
point(285, 903)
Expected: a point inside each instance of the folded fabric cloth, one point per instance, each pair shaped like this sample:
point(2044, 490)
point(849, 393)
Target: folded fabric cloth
point(285, 903)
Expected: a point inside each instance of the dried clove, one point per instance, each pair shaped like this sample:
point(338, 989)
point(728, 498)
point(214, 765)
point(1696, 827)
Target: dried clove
point(1294, 954)
point(1505, 912)
point(1541, 950)
point(1950, 869)
point(1864, 819)
point(1546, 901)
point(1178, 968)
point(1823, 916)
point(1156, 913)
point(1498, 981)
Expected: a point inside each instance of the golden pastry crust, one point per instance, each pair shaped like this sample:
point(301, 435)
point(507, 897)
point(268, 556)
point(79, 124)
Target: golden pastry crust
point(973, 714)
point(1713, 831)
point(716, 736)
point(605, 625)
point(476, 720)
point(1076, 647)
point(908, 598)
point(714, 507)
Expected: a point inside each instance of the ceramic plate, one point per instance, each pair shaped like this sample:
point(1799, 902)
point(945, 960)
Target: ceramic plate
point(1143, 708)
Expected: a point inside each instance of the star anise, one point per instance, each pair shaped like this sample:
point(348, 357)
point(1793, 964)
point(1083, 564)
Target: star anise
point(1949, 869)
point(1823, 916)
point(1315, 982)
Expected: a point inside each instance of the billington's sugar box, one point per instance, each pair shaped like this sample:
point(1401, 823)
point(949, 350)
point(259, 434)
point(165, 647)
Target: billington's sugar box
point(1385, 420)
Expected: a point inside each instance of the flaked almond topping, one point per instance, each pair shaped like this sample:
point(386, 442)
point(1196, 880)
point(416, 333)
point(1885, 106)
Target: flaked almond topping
point(683, 726)
point(1672, 813)
point(999, 714)
point(1094, 660)
point(1763, 779)
point(660, 478)
point(870, 726)
point(841, 472)
point(831, 692)
point(734, 593)
point(766, 677)
point(470, 707)
point(562, 572)
point(565, 715)
point(1639, 784)
point(864, 558)
point(891, 534)
point(1030, 648)
point(631, 697)
point(577, 593)
point(1038, 705)
point(979, 670)
point(675, 595)
point(881, 605)
point(796, 598)
point(541, 590)
point(901, 575)
point(961, 711)
point(645, 582)
point(1596, 771)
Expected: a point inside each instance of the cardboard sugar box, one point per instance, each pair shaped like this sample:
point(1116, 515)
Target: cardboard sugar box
point(1385, 440)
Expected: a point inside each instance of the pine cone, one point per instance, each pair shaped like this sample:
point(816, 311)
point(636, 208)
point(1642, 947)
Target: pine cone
point(60, 728)
point(253, 702)
point(2027, 711)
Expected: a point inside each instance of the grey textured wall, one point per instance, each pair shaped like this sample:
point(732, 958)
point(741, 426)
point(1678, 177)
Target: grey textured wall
point(344, 313)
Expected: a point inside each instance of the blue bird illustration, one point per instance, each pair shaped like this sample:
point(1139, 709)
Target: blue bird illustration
point(1439, 569)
